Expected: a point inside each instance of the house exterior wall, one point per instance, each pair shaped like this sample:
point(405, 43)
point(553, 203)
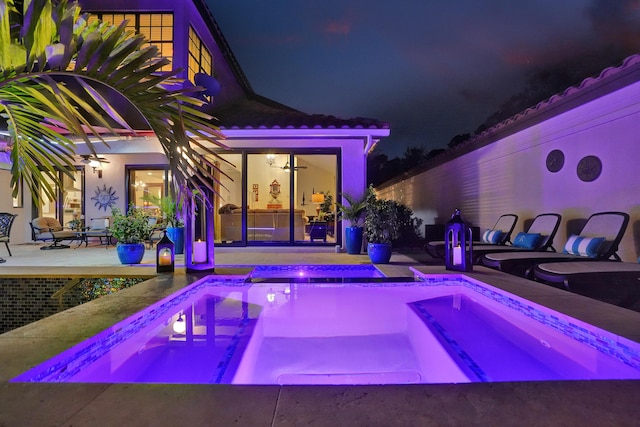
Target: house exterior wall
point(510, 175)
point(185, 14)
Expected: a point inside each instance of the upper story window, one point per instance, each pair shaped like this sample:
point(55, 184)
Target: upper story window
point(156, 27)
point(200, 59)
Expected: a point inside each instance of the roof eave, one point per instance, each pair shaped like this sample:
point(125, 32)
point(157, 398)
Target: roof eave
point(305, 133)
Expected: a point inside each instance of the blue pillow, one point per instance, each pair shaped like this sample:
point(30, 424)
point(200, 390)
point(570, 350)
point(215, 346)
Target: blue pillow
point(492, 236)
point(527, 240)
point(583, 246)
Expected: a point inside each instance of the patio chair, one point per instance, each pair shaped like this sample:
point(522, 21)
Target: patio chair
point(610, 281)
point(46, 229)
point(537, 238)
point(598, 240)
point(157, 231)
point(499, 234)
point(6, 221)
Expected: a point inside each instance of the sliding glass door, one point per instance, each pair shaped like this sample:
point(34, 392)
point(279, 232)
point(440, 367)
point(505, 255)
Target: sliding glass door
point(228, 200)
point(276, 197)
point(68, 204)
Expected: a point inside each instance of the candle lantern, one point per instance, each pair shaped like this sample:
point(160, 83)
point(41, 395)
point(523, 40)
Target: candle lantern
point(199, 236)
point(458, 251)
point(165, 255)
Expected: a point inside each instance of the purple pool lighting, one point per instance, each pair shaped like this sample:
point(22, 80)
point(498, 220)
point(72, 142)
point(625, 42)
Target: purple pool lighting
point(442, 329)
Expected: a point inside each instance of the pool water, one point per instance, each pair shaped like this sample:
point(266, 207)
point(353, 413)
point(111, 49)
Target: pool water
point(441, 329)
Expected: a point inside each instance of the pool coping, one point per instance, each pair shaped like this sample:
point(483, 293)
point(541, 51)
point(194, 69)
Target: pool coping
point(58, 404)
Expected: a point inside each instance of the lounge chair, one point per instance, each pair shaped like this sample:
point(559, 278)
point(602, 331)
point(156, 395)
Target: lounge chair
point(614, 282)
point(538, 238)
point(598, 240)
point(499, 235)
point(46, 229)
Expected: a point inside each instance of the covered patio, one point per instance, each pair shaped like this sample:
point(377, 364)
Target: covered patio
point(525, 403)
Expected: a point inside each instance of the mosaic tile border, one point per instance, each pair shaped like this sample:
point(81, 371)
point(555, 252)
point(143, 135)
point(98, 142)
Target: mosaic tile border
point(452, 343)
point(317, 270)
point(596, 338)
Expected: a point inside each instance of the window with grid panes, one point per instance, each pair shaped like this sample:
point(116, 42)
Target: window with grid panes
point(156, 27)
point(200, 59)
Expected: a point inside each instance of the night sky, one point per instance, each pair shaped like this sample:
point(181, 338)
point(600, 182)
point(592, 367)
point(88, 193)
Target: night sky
point(432, 69)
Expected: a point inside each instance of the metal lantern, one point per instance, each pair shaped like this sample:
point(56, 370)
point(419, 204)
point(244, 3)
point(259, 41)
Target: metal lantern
point(458, 250)
point(199, 236)
point(165, 255)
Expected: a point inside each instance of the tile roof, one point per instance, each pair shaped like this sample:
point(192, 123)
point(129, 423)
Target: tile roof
point(258, 112)
point(609, 80)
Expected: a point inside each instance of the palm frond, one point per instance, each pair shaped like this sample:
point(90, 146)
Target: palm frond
point(62, 71)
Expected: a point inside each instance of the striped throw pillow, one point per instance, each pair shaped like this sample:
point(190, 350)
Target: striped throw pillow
point(492, 236)
point(583, 246)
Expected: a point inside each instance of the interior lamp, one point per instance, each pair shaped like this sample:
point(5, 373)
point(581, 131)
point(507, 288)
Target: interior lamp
point(165, 255)
point(318, 199)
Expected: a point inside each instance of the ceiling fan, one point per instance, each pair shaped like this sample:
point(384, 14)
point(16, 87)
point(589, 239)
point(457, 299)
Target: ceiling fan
point(287, 167)
point(88, 158)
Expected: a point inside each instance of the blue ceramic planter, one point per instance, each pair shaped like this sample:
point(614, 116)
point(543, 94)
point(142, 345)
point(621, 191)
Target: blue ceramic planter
point(379, 253)
point(353, 236)
point(176, 234)
point(130, 253)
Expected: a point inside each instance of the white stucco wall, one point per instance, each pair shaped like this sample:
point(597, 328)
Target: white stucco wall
point(510, 176)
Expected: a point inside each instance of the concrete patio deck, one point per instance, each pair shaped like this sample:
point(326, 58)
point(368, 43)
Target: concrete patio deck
point(524, 403)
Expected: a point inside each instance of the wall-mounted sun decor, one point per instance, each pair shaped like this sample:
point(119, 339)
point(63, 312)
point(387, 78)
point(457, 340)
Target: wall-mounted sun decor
point(105, 197)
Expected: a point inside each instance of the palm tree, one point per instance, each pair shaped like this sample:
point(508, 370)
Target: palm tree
point(62, 76)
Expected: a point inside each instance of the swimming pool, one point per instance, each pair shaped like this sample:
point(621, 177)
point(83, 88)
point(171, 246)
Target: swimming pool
point(440, 329)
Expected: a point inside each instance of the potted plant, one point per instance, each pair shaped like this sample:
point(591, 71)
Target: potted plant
point(353, 212)
point(381, 227)
point(130, 230)
point(169, 210)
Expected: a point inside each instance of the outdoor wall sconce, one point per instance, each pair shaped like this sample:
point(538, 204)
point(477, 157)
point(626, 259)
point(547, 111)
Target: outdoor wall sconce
point(97, 167)
point(165, 255)
point(458, 250)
